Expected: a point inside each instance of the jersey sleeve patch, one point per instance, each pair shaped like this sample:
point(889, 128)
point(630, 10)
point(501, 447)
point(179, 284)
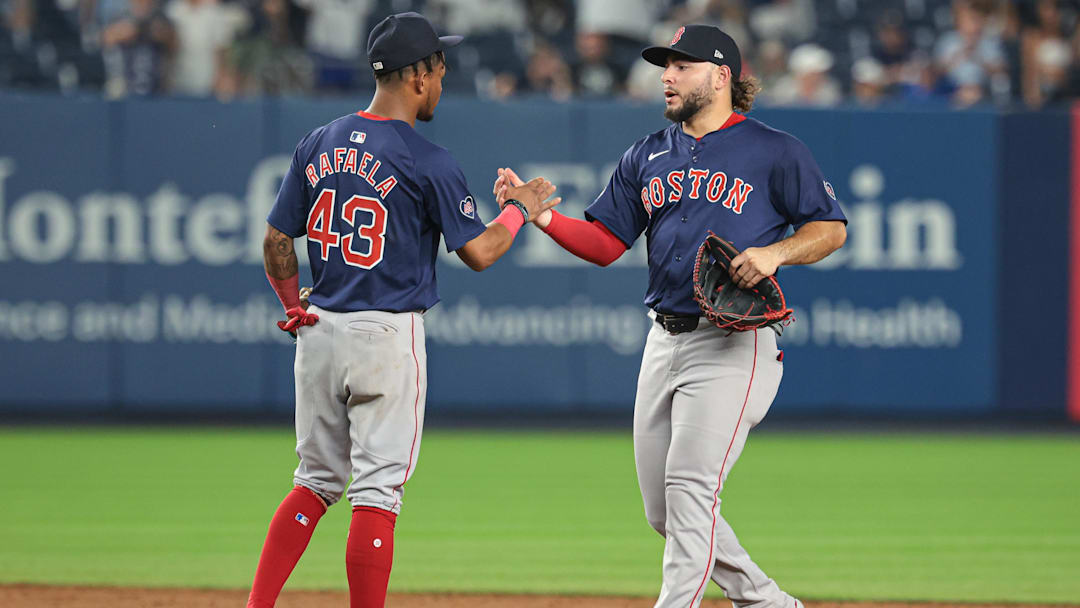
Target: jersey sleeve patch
point(829, 190)
point(468, 208)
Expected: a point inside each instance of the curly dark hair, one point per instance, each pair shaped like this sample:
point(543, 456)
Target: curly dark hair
point(743, 91)
point(430, 62)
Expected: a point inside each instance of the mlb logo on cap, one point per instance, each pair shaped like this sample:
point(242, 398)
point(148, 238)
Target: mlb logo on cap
point(403, 39)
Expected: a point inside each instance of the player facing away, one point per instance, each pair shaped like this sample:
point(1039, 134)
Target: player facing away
point(700, 388)
point(373, 198)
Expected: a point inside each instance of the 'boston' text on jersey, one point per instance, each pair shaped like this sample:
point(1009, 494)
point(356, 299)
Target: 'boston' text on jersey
point(701, 183)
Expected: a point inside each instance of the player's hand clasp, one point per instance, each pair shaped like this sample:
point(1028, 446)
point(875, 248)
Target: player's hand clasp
point(533, 194)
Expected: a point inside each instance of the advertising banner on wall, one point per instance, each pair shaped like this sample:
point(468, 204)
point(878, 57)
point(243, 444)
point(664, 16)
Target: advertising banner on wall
point(131, 244)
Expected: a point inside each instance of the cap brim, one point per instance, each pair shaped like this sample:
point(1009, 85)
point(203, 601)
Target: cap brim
point(658, 55)
point(446, 42)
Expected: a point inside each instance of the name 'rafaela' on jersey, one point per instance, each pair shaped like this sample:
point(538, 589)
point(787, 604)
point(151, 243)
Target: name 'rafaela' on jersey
point(345, 161)
point(712, 185)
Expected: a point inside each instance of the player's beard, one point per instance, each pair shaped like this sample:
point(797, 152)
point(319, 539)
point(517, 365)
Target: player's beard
point(693, 103)
point(427, 113)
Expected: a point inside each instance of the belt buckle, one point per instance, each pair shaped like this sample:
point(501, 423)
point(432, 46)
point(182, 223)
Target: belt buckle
point(675, 324)
point(667, 321)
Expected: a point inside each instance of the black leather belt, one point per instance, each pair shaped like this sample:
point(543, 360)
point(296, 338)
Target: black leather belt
point(677, 324)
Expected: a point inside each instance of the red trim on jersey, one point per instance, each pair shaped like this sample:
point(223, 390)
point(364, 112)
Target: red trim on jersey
point(590, 241)
point(734, 119)
point(1072, 355)
point(371, 116)
point(720, 481)
point(416, 404)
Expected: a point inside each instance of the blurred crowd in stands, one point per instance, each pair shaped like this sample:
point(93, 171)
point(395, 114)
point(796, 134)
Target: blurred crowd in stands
point(964, 53)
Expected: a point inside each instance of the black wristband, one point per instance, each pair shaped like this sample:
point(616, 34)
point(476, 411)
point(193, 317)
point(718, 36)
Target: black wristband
point(520, 207)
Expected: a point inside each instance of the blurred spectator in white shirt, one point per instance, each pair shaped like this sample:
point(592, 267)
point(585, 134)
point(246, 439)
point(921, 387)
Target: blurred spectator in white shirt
point(205, 29)
point(791, 20)
point(464, 17)
point(809, 82)
point(337, 38)
point(643, 80)
point(869, 82)
point(969, 86)
point(1050, 69)
point(1041, 57)
point(628, 18)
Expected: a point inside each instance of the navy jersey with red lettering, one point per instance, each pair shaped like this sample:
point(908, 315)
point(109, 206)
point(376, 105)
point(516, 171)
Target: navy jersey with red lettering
point(746, 182)
point(373, 196)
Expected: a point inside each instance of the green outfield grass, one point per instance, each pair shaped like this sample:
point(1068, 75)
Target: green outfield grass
point(934, 517)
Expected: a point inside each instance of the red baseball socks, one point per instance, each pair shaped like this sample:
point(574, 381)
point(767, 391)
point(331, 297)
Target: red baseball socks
point(289, 534)
point(369, 555)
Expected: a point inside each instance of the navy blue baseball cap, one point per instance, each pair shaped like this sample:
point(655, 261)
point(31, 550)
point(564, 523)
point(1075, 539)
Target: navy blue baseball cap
point(699, 43)
point(403, 39)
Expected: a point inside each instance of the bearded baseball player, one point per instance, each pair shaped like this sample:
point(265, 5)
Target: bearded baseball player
point(702, 388)
point(373, 198)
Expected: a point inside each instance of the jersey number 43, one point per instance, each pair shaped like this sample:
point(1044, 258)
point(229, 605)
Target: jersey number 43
point(320, 228)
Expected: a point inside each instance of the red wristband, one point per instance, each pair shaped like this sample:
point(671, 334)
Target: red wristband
point(288, 290)
point(512, 219)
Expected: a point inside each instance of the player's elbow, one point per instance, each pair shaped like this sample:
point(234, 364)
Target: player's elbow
point(838, 235)
point(608, 256)
point(477, 258)
point(479, 265)
point(268, 247)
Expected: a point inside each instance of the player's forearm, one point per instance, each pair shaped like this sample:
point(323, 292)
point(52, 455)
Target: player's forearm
point(492, 245)
point(486, 249)
point(279, 257)
point(590, 241)
point(282, 267)
point(810, 243)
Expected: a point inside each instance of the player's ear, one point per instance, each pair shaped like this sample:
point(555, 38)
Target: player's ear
point(419, 81)
point(723, 77)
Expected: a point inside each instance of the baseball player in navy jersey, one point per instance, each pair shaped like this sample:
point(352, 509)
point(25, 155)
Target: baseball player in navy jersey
point(701, 389)
point(373, 198)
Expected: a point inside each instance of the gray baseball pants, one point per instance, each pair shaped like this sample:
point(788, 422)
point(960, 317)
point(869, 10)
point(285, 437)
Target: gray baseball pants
point(699, 394)
point(361, 383)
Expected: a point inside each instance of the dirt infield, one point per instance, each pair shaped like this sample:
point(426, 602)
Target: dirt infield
point(43, 596)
